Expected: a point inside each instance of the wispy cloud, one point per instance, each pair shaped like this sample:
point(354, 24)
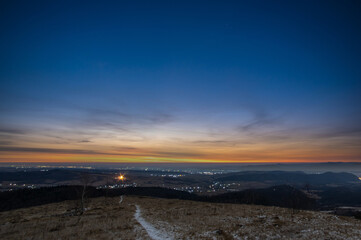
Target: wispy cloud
point(7, 130)
point(344, 131)
point(109, 116)
point(261, 118)
point(54, 150)
point(176, 154)
point(5, 142)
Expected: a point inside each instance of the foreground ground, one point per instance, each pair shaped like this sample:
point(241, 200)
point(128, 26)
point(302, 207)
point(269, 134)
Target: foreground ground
point(149, 218)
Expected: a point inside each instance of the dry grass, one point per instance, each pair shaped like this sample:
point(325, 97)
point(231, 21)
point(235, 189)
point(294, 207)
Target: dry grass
point(196, 220)
point(106, 219)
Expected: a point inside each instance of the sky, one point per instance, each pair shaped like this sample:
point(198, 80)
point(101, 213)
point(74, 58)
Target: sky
point(180, 81)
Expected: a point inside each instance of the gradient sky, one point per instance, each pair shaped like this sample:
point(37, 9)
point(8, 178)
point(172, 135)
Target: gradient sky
point(180, 81)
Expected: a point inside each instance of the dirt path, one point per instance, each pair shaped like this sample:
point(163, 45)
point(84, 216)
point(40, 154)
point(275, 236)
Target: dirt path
point(153, 233)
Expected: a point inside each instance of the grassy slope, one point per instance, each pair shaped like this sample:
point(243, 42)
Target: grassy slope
point(106, 219)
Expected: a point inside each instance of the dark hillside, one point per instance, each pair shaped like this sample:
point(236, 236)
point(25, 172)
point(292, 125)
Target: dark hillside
point(281, 177)
point(283, 196)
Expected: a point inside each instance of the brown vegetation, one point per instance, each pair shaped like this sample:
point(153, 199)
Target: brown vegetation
point(107, 219)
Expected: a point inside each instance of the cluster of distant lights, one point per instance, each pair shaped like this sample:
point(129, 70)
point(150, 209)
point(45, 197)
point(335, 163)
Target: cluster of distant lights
point(49, 166)
point(189, 171)
point(167, 175)
point(15, 186)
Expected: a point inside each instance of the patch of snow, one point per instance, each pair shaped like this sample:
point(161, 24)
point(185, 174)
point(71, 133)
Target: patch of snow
point(153, 233)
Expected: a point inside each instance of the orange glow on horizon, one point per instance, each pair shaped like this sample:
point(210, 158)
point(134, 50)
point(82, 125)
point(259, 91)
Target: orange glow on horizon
point(181, 154)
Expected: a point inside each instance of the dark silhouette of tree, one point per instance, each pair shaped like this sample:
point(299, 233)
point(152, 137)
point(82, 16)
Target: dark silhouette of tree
point(307, 187)
point(84, 181)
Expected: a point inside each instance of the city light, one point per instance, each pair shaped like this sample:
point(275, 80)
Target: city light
point(120, 177)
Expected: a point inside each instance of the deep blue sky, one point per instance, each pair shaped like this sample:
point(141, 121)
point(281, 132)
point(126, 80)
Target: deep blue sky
point(146, 69)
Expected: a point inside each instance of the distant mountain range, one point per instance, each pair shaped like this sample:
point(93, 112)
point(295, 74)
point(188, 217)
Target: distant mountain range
point(282, 177)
